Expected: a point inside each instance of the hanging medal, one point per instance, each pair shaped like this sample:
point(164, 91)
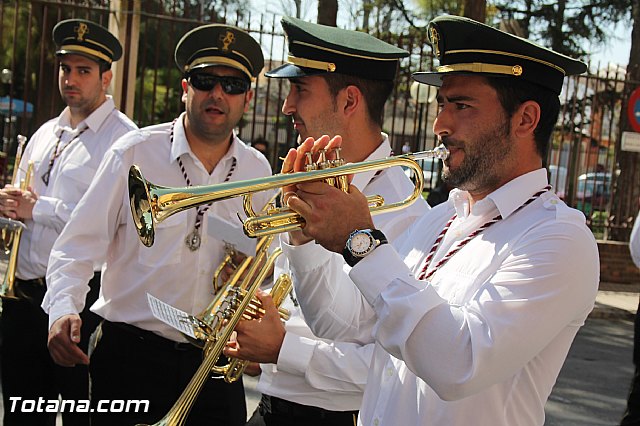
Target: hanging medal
point(193, 239)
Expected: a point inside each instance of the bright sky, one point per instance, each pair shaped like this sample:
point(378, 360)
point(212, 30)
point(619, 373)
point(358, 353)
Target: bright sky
point(617, 49)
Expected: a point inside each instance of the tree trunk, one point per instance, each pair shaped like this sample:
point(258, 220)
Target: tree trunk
point(327, 12)
point(557, 36)
point(367, 5)
point(475, 9)
point(298, 4)
point(634, 55)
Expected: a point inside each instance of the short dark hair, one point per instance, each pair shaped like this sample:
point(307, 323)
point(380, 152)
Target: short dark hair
point(375, 92)
point(260, 140)
point(104, 66)
point(513, 92)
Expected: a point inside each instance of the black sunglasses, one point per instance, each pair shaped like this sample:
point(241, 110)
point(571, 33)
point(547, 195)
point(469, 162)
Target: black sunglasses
point(230, 85)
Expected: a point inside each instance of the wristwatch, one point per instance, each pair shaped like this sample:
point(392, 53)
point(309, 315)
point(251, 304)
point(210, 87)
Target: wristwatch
point(361, 242)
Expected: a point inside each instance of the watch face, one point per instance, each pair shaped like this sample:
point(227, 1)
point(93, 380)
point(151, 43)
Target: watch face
point(360, 244)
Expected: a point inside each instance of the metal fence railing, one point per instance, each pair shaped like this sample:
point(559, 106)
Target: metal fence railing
point(584, 161)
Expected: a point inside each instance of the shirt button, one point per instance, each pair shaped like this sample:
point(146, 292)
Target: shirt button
point(376, 422)
point(389, 372)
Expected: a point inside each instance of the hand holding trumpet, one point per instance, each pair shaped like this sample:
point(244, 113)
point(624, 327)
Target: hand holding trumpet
point(260, 339)
point(16, 203)
point(330, 214)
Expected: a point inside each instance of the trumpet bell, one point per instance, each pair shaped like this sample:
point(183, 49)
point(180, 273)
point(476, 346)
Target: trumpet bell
point(140, 202)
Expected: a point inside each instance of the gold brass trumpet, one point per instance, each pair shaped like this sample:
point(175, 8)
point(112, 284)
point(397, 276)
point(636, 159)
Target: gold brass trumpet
point(216, 324)
point(11, 230)
point(153, 203)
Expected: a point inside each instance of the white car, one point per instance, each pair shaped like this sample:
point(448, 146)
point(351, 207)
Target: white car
point(430, 170)
point(558, 179)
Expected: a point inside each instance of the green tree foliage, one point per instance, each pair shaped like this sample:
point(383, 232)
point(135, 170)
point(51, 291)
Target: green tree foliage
point(429, 9)
point(565, 26)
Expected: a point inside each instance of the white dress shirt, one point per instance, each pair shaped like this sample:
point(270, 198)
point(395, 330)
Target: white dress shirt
point(634, 242)
point(483, 341)
point(81, 150)
point(102, 229)
point(332, 375)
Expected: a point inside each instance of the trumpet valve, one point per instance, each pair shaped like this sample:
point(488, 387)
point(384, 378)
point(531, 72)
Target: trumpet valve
point(322, 159)
point(256, 311)
point(310, 165)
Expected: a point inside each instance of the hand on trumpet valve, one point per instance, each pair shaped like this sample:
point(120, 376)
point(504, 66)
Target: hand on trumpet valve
point(330, 213)
point(260, 339)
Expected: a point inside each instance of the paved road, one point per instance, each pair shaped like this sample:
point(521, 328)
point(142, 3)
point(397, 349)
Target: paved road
point(592, 387)
point(593, 384)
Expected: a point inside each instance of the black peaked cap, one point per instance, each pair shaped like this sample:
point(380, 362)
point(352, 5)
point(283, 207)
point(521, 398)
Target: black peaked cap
point(219, 44)
point(82, 37)
point(465, 46)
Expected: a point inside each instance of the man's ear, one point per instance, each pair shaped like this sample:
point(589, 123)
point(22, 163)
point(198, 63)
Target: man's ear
point(247, 99)
point(184, 89)
point(352, 100)
point(106, 79)
point(526, 118)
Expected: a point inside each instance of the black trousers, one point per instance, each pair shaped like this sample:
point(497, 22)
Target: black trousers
point(130, 364)
point(28, 372)
point(274, 411)
point(632, 414)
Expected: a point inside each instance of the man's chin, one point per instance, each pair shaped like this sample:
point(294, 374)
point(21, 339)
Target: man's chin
point(72, 101)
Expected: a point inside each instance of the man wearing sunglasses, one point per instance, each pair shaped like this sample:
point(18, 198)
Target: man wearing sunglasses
point(138, 357)
point(339, 83)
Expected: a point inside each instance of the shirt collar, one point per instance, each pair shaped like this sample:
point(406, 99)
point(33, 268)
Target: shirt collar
point(93, 121)
point(506, 199)
point(361, 180)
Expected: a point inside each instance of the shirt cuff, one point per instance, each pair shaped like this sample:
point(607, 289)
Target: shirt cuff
point(59, 310)
point(306, 257)
point(43, 208)
point(295, 354)
point(377, 270)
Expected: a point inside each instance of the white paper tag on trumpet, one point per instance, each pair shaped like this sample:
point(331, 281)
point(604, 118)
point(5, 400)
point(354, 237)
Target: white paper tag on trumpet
point(171, 316)
point(231, 233)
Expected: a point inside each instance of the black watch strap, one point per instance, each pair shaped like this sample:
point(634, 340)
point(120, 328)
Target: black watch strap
point(352, 259)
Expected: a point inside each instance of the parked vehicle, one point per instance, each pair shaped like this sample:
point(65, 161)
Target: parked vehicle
point(430, 170)
point(594, 188)
point(558, 179)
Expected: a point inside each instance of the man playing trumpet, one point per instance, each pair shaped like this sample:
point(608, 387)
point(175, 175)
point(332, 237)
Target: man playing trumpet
point(335, 89)
point(473, 309)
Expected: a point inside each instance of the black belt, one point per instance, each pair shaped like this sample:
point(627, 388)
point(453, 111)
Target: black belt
point(30, 291)
point(280, 407)
point(33, 282)
point(147, 336)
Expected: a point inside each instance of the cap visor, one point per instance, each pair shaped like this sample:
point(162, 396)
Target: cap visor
point(292, 71)
point(430, 78)
point(221, 64)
